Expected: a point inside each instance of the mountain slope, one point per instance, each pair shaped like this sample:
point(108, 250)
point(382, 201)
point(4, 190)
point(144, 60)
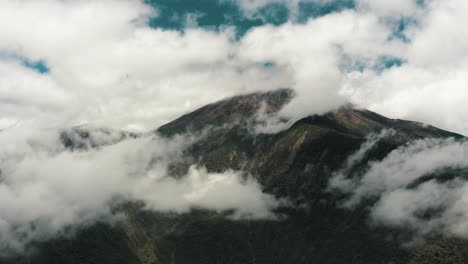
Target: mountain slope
point(295, 164)
point(230, 112)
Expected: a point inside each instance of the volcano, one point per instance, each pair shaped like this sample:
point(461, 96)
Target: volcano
point(294, 164)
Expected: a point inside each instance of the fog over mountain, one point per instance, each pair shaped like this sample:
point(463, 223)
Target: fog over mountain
point(46, 189)
point(270, 131)
point(421, 186)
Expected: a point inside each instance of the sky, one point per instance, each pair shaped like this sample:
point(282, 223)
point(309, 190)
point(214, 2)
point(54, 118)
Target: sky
point(135, 65)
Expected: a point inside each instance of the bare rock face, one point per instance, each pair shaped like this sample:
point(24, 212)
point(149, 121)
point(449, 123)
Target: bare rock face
point(229, 112)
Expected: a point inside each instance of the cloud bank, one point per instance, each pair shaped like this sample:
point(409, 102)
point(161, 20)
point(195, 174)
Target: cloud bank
point(421, 186)
point(46, 191)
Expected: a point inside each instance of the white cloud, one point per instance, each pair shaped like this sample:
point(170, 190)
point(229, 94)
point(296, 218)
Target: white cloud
point(322, 56)
point(251, 8)
point(431, 85)
point(117, 70)
point(438, 43)
point(342, 180)
point(46, 190)
point(313, 53)
point(431, 96)
point(389, 8)
point(109, 68)
point(26, 94)
point(434, 206)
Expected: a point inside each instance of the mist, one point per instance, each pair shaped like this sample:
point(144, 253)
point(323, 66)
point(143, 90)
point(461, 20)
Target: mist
point(47, 191)
point(421, 186)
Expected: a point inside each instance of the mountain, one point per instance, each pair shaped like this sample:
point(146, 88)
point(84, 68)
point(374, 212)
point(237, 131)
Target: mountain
point(296, 164)
point(87, 137)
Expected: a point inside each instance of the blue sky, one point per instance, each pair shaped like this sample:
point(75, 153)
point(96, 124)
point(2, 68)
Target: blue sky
point(215, 14)
point(38, 65)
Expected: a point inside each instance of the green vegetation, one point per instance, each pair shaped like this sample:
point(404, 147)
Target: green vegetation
point(447, 251)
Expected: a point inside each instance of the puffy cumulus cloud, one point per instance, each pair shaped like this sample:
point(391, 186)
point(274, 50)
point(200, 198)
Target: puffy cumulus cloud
point(47, 191)
point(431, 85)
point(109, 68)
point(421, 186)
point(115, 69)
point(432, 96)
point(315, 54)
point(436, 42)
point(339, 57)
point(27, 94)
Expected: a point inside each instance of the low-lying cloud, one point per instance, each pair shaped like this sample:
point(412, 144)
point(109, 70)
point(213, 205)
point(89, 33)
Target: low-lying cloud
point(46, 189)
point(421, 186)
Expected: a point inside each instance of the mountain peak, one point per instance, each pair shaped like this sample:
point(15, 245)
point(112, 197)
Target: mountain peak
point(347, 119)
point(229, 111)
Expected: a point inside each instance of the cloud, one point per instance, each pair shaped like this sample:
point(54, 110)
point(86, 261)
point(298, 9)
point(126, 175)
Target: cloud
point(430, 85)
point(314, 52)
point(389, 8)
point(342, 179)
point(21, 93)
point(47, 191)
point(116, 70)
point(340, 57)
point(409, 163)
point(429, 95)
point(109, 68)
point(253, 8)
point(421, 186)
